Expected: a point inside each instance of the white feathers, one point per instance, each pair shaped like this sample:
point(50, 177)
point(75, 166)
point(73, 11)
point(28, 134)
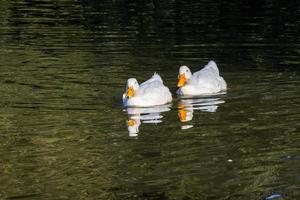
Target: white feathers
point(153, 91)
point(150, 93)
point(204, 81)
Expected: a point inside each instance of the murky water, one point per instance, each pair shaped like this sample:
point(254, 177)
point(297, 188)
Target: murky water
point(63, 130)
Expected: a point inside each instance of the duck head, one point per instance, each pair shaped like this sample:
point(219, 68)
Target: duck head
point(184, 75)
point(131, 87)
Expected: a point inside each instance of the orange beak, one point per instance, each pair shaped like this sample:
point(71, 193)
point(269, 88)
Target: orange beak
point(130, 91)
point(182, 114)
point(130, 122)
point(181, 80)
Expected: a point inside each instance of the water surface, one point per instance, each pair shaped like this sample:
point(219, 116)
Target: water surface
point(63, 130)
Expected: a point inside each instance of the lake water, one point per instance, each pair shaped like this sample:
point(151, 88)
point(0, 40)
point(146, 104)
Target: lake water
point(63, 129)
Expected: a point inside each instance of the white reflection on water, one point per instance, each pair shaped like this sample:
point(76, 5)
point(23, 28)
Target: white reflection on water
point(187, 106)
point(139, 115)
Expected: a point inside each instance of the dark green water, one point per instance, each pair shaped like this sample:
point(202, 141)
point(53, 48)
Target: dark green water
point(63, 69)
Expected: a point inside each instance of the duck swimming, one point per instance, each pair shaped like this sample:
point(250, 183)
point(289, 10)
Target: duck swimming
point(150, 93)
point(204, 81)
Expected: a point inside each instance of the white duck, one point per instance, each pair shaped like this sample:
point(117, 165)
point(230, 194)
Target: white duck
point(205, 81)
point(150, 93)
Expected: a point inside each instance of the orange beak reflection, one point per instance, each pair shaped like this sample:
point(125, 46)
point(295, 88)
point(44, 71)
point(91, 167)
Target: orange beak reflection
point(181, 80)
point(182, 114)
point(130, 122)
point(130, 91)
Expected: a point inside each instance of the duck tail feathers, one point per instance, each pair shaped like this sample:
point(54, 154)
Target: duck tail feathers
point(157, 76)
point(212, 64)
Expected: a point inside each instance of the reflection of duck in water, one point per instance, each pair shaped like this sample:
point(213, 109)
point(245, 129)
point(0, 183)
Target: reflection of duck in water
point(139, 115)
point(186, 108)
point(133, 127)
point(185, 113)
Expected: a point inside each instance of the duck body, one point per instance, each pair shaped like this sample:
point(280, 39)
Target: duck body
point(150, 93)
point(205, 81)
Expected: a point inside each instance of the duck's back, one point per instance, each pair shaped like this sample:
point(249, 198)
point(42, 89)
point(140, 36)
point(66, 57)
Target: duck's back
point(209, 78)
point(153, 86)
point(153, 92)
point(154, 79)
